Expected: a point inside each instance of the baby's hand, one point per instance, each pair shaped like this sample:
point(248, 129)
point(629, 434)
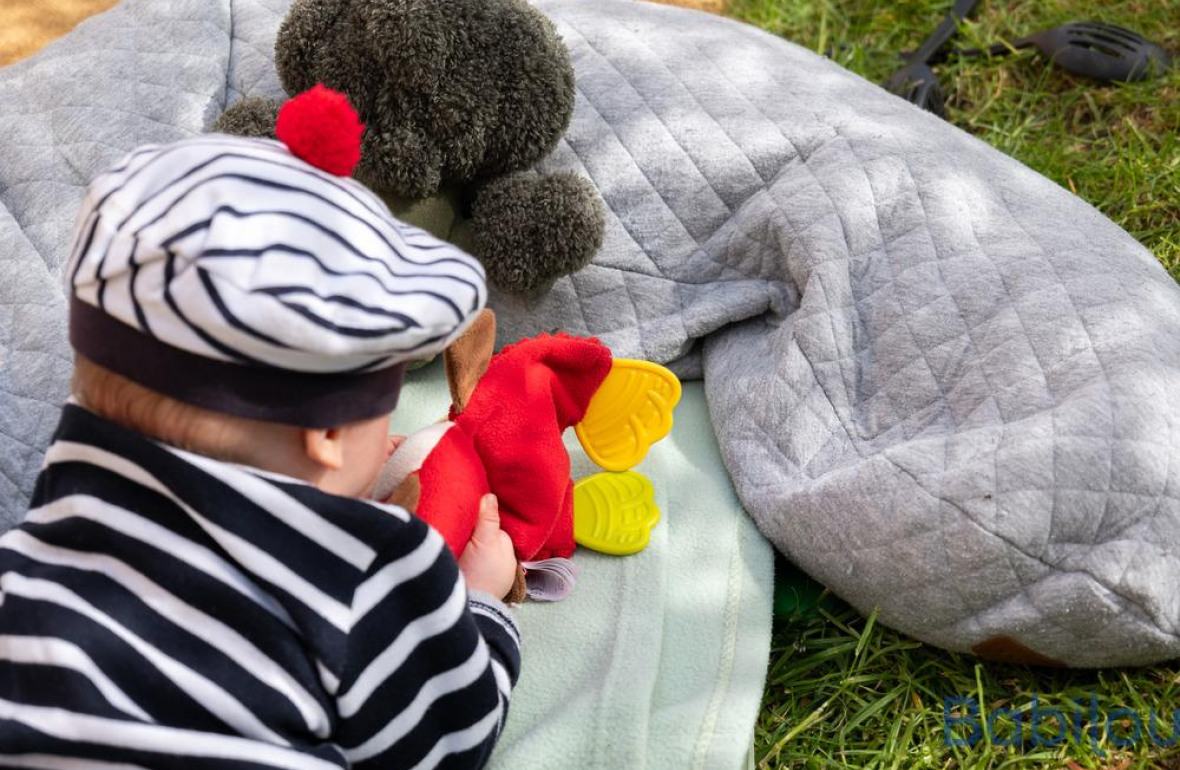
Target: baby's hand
point(489, 561)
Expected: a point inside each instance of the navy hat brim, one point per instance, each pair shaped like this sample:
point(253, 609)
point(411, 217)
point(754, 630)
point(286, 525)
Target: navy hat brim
point(302, 399)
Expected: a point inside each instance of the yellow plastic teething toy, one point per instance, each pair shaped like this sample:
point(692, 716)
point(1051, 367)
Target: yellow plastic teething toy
point(614, 512)
point(631, 410)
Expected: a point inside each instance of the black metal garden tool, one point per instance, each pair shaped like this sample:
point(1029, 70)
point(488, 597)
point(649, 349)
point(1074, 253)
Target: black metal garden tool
point(1088, 48)
point(916, 81)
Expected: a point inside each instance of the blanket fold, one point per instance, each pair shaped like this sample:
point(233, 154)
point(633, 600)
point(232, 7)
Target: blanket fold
point(940, 382)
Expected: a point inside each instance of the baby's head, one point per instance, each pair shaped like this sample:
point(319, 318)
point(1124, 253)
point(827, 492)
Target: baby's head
point(342, 460)
point(235, 300)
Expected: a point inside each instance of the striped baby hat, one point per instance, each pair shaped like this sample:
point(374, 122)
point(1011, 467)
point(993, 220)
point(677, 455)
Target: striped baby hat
point(249, 277)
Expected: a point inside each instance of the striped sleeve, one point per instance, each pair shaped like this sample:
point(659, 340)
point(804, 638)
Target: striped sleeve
point(429, 670)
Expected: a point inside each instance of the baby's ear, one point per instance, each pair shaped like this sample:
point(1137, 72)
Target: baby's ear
point(467, 358)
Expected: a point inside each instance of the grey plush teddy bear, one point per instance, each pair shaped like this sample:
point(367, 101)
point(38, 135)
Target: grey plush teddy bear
point(461, 98)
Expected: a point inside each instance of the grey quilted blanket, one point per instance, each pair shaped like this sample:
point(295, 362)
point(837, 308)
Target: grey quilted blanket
point(943, 385)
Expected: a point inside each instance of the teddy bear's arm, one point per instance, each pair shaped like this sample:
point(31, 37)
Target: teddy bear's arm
point(397, 155)
point(253, 116)
point(530, 229)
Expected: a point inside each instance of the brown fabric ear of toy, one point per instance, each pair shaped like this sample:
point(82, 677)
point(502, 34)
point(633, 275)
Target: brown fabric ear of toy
point(467, 358)
point(519, 590)
point(465, 362)
point(407, 494)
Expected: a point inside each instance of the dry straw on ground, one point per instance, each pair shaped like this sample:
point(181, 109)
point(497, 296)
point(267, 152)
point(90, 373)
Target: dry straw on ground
point(712, 6)
point(27, 25)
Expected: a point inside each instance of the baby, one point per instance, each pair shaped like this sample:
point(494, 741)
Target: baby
point(200, 581)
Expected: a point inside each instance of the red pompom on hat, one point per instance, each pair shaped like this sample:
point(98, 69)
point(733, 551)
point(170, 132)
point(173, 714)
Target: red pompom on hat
point(320, 127)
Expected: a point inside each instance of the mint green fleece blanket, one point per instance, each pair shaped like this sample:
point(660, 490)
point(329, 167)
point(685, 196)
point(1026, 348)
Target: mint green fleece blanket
point(656, 660)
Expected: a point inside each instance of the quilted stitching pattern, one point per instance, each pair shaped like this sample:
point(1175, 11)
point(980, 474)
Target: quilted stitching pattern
point(142, 72)
point(941, 383)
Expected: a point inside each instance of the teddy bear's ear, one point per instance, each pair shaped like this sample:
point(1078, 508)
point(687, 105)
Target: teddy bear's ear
point(467, 358)
point(413, 40)
point(302, 36)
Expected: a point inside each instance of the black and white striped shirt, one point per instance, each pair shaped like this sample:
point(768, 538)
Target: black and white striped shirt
point(162, 610)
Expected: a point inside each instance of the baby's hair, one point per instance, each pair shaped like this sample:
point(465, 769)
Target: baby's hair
point(132, 406)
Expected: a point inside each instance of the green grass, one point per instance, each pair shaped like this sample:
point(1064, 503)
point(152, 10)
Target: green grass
point(842, 690)
point(1116, 147)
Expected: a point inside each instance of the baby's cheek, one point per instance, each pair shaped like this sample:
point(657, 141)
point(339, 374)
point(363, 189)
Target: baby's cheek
point(374, 458)
point(378, 451)
point(372, 452)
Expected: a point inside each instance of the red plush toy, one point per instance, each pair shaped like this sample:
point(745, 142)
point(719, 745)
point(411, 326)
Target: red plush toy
point(504, 435)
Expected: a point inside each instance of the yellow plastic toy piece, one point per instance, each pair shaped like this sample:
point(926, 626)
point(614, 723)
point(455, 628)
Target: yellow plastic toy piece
point(614, 512)
point(630, 411)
